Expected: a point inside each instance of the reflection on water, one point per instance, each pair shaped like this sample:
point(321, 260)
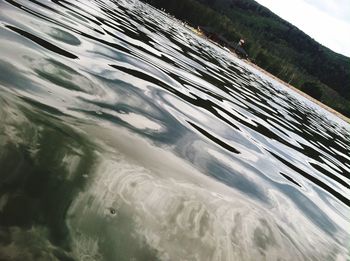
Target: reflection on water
point(124, 136)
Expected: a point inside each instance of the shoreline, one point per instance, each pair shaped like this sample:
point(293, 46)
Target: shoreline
point(305, 95)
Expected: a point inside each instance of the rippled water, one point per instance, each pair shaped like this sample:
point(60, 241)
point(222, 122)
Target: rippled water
point(124, 136)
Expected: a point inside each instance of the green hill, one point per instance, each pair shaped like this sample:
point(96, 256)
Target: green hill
point(274, 44)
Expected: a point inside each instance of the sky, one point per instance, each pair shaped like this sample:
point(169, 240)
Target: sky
point(327, 21)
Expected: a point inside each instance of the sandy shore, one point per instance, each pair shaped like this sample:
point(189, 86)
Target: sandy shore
point(329, 109)
point(338, 114)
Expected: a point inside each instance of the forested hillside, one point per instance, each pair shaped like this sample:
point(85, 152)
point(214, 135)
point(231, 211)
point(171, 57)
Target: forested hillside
point(274, 44)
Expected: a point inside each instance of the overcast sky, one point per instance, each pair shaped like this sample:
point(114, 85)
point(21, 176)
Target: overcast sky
point(327, 21)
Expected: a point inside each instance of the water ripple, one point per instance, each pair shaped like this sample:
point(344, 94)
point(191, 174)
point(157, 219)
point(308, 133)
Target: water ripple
point(125, 136)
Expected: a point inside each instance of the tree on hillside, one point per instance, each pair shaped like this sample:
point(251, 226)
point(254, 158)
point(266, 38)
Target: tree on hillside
point(272, 43)
point(313, 89)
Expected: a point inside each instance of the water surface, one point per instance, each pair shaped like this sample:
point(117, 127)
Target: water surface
point(124, 136)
